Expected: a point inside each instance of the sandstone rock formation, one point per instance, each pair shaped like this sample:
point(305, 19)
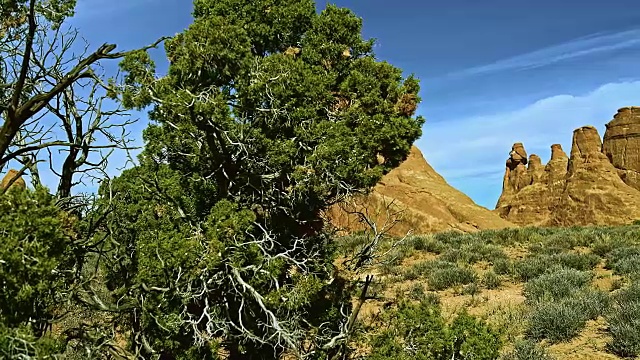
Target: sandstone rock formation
point(596, 185)
point(8, 178)
point(428, 202)
point(622, 144)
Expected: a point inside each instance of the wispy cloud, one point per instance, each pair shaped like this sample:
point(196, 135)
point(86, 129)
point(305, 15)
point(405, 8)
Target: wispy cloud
point(90, 9)
point(598, 43)
point(470, 152)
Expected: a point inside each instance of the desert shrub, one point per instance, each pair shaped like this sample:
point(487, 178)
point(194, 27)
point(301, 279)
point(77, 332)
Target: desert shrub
point(375, 289)
point(426, 243)
point(471, 289)
point(527, 235)
point(502, 266)
point(510, 318)
point(555, 321)
point(624, 322)
point(558, 242)
point(391, 269)
point(576, 261)
point(556, 285)
point(530, 267)
point(629, 266)
point(423, 326)
point(395, 256)
point(416, 291)
point(473, 339)
point(526, 349)
point(411, 273)
point(473, 252)
point(620, 253)
point(440, 274)
point(453, 238)
point(561, 320)
point(351, 243)
point(443, 278)
point(491, 280)
point(605, 244)
point(624, 261)
point(593, 303)
point(424, 268)
point(536, 265)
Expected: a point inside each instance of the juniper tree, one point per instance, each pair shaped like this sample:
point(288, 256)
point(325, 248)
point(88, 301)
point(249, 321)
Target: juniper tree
point(270, 112)
point(55, 103)
point(54, 109)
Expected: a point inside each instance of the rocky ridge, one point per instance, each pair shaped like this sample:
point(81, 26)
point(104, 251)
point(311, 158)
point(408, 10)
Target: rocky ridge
point(597, 184)
point(422, 198)
point(18, 183)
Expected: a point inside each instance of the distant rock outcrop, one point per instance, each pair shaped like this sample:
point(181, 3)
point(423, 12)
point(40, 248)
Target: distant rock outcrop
point(19, 182)
point(621, 144)
point(428, 202)
point(596, 185)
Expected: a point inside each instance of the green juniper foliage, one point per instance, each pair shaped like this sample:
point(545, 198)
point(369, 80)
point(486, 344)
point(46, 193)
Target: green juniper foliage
point(36, 269)
point(270, 112)
point(419, 331)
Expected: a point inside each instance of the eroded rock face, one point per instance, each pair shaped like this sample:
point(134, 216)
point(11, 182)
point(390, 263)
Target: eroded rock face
point(429, 203)
point(19, 183)
point(523, 188)
point(621, 144)
point(583, 189)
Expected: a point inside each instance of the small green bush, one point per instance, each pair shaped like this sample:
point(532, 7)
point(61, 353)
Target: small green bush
point(536, 265)
point(427, 243)
point(576, 261)
point(416, 292)
point(443, 278)
point(593, 303)
point(390, 269)
point(556, 285)
point(425, 268)
point(629, 266)
point(527, 350)
point(502, 266)
point(473, 339)
point(471, 253)
point(410, 274)
point(555, 243)
point(453, 238)
point(471, 289)
point(561, 320)
point(491, 280)
point(624, 322)
point(604, 244)
point(423, 328)
point(621, 253)
point(556, 321)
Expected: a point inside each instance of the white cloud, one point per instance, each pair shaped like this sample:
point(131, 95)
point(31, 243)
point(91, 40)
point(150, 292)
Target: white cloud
point(470, 152)
point(580, 47)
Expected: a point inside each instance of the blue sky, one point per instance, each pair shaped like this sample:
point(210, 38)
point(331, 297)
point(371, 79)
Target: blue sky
point(493, 72)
